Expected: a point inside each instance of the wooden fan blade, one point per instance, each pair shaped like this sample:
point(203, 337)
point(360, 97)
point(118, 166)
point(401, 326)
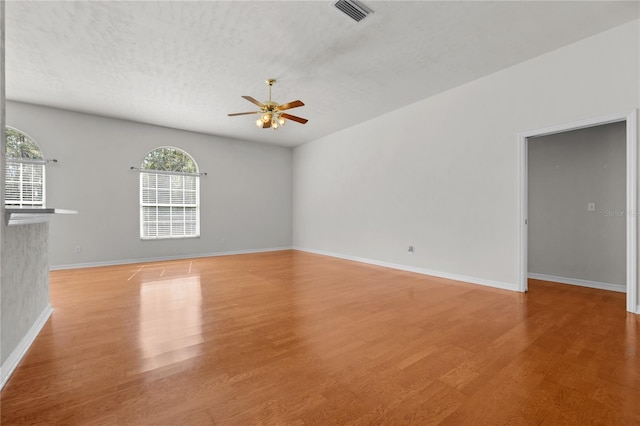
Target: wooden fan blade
point(292, 104)
point(266, 125)
point(294, 118)
point(244, 113)
point(250, 99)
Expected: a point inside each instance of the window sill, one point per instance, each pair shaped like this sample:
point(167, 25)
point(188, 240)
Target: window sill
point(27, 215)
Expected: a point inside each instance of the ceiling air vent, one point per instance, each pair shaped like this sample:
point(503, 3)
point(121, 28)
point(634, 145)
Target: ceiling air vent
point(353, 9)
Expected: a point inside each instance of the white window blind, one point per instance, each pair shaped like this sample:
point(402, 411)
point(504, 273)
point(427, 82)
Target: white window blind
point(24, 171)
point(169, 205)
point(24, 183)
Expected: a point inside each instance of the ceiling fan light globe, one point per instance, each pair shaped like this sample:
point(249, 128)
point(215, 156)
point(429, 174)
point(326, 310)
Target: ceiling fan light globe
point(281, 121)
point(265, 118)
point(259, 122)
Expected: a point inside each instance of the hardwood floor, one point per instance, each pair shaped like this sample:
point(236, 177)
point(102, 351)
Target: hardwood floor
point(291, 338)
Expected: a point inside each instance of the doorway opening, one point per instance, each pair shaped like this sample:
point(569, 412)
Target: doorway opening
point(628, 214)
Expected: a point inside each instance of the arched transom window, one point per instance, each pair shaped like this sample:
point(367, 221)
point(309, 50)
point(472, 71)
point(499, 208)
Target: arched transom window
point(169, 195)
point(24, 171)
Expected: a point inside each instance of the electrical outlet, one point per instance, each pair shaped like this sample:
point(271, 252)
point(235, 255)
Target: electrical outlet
point(410, 250)
point(77, 249)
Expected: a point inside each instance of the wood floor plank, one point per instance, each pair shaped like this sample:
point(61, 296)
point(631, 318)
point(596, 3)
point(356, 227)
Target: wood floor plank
point(292, 338)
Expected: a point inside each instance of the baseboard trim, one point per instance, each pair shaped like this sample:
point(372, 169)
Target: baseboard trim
point(11, 363)
point(422, 271)
point(160, 259)
point(576, 281)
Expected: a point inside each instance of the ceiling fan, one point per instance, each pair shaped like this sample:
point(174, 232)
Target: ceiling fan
point(271, 114)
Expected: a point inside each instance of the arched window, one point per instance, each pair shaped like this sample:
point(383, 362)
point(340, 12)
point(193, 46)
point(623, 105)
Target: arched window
point(24, 172)
point(169, 195)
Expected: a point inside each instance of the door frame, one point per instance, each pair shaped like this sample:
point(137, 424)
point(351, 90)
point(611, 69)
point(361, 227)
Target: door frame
point(631, 120)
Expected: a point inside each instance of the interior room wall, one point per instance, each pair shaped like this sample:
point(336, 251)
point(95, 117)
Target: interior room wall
point(2, 159)
point(245, 199)
point(442, 174)
point(2, 125)
point(25, 288)
point(24, 269)
point(566, 171)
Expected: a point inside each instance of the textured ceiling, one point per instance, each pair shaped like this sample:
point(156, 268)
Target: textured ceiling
point(185, 64)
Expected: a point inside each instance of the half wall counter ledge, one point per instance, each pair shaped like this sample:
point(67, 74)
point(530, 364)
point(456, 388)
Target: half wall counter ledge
point(27, 215)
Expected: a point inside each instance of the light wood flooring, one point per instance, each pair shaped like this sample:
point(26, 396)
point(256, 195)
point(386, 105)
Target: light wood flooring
point(292, 338)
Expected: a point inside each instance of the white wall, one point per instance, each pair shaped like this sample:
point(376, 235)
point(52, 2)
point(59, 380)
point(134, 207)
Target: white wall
point(2, 121)
point(567, 171)
point(25, 288)
point(442, 174)
point(2, 160)
point(245, 198)
point(24, 271)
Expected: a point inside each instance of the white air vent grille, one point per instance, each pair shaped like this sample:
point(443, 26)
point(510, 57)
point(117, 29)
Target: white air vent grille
point(353, 9)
